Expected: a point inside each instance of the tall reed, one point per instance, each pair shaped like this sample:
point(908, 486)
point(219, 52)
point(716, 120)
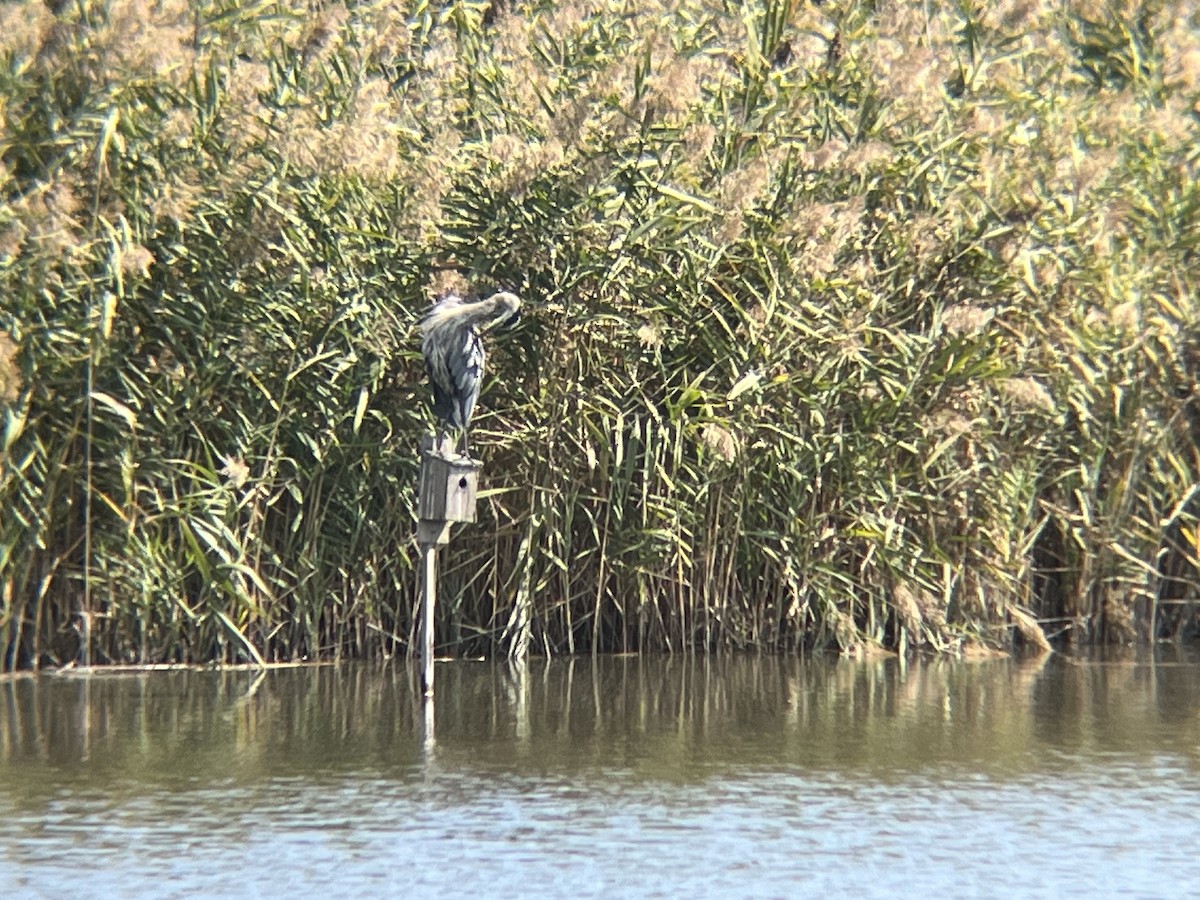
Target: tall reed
point(850, 323)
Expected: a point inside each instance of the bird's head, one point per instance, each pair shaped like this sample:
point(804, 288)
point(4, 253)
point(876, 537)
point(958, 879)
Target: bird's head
point(501, 310)
point(507, 310)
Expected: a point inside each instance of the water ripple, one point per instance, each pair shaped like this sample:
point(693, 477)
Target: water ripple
point(737, 794)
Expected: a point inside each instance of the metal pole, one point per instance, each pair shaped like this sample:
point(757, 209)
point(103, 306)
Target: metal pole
point(445, 495)
point(428, 603)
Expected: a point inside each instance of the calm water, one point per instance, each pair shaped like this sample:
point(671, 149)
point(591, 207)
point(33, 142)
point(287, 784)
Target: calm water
point(643, 777)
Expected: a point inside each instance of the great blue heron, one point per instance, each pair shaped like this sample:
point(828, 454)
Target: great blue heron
point(452, 343)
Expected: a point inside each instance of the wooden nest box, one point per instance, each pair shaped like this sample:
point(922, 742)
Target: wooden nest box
point(448, 485)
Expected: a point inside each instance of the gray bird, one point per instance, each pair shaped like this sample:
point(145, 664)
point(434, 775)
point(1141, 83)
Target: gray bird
point(452, 343)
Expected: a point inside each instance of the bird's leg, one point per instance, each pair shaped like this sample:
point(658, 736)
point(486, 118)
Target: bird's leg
point(463, 449)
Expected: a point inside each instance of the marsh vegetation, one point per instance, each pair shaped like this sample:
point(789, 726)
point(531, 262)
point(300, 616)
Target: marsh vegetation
point(847, 323)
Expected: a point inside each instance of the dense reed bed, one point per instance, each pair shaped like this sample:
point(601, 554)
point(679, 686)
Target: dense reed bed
point(851, 323)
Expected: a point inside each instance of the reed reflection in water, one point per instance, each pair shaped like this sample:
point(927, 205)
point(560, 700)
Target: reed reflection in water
point(742, 775)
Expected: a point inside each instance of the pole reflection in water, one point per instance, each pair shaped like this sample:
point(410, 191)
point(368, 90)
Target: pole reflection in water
point(428, 726)
point(646, 710)
point(704, 772)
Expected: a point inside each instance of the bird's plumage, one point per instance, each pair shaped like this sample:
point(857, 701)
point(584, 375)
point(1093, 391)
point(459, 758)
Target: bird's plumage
point(452, 344)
